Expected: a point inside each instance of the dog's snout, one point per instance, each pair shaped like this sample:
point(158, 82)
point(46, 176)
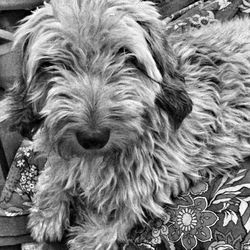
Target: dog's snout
point(94, 140)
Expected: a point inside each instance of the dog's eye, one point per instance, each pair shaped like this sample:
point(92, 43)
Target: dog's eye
point(130, 58)
point(51, 66)
point(124, 51)
point(65, 96)
point(126, 54)
point(45, 65)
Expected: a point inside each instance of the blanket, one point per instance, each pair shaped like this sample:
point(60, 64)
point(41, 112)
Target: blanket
point(213, 216)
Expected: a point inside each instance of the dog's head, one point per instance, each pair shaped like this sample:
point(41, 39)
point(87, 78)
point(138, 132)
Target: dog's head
point(96, 75)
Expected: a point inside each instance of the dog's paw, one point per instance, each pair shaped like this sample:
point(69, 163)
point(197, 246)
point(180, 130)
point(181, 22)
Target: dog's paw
point(74, 245)
point(86, 238)
point(45, 226)
point(84, 246)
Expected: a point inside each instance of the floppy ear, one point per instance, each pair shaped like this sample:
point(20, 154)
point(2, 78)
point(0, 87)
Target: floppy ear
point(18, 111)
point(175, 101)
point(17, 107)
point(15, 112)
point(173, 97)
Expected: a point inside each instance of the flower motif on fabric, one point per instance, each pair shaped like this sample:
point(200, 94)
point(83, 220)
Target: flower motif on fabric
point(191, 223)
point(159, 231)
point(200, 20)
point(199, 188)
point(29, 179)
point(186, 219)
point(25, 150)
point(155, 233)
point(220, 245)
point(152, 236)
point(28, 172)
point(225, 241)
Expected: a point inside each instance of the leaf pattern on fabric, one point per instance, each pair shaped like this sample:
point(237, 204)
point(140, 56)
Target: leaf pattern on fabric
point(213, 218)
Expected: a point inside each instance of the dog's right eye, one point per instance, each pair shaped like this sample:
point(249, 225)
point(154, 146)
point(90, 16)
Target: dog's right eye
point(45, 65)
point(124, 51)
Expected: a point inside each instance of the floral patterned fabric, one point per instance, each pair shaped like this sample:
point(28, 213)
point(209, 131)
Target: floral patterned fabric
point(20, 184)
point(210, 216)
point(202, 13)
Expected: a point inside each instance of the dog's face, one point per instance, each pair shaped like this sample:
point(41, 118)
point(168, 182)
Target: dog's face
point(97, 75)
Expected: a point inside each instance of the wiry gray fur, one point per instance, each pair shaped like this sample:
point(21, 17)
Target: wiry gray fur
point(178, 108)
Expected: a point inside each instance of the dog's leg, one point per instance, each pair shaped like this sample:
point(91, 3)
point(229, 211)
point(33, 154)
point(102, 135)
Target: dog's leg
point(95, 234)
point(101, 239)
point(49, 215)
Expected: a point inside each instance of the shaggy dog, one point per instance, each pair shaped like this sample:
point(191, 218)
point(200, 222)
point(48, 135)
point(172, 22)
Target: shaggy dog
point(126, 116)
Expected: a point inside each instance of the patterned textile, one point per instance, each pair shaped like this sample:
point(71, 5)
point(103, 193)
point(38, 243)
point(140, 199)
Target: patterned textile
point(213, 216)
point(19, 187)
point(203, 12)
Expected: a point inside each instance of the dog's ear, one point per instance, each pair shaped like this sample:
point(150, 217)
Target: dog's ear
point(173, 97)
point(18, 112)
point(15, 113)
point(174, 100)
point(17, 107)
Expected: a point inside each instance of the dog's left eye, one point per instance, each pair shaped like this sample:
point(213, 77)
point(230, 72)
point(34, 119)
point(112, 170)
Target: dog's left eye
point(51, 66)
point(45, 65)
point(125, 53)
point(64, 96)
point(130, 58)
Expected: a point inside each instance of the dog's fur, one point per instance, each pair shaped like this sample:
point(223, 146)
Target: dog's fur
point(177, 108)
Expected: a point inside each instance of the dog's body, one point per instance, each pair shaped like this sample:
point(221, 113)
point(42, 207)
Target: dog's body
point(126, 118)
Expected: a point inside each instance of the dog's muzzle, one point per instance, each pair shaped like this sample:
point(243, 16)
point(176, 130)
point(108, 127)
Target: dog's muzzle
point(94, 140)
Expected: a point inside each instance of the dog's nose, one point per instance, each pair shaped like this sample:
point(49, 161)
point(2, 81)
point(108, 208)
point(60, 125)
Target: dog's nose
point(94, 140)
